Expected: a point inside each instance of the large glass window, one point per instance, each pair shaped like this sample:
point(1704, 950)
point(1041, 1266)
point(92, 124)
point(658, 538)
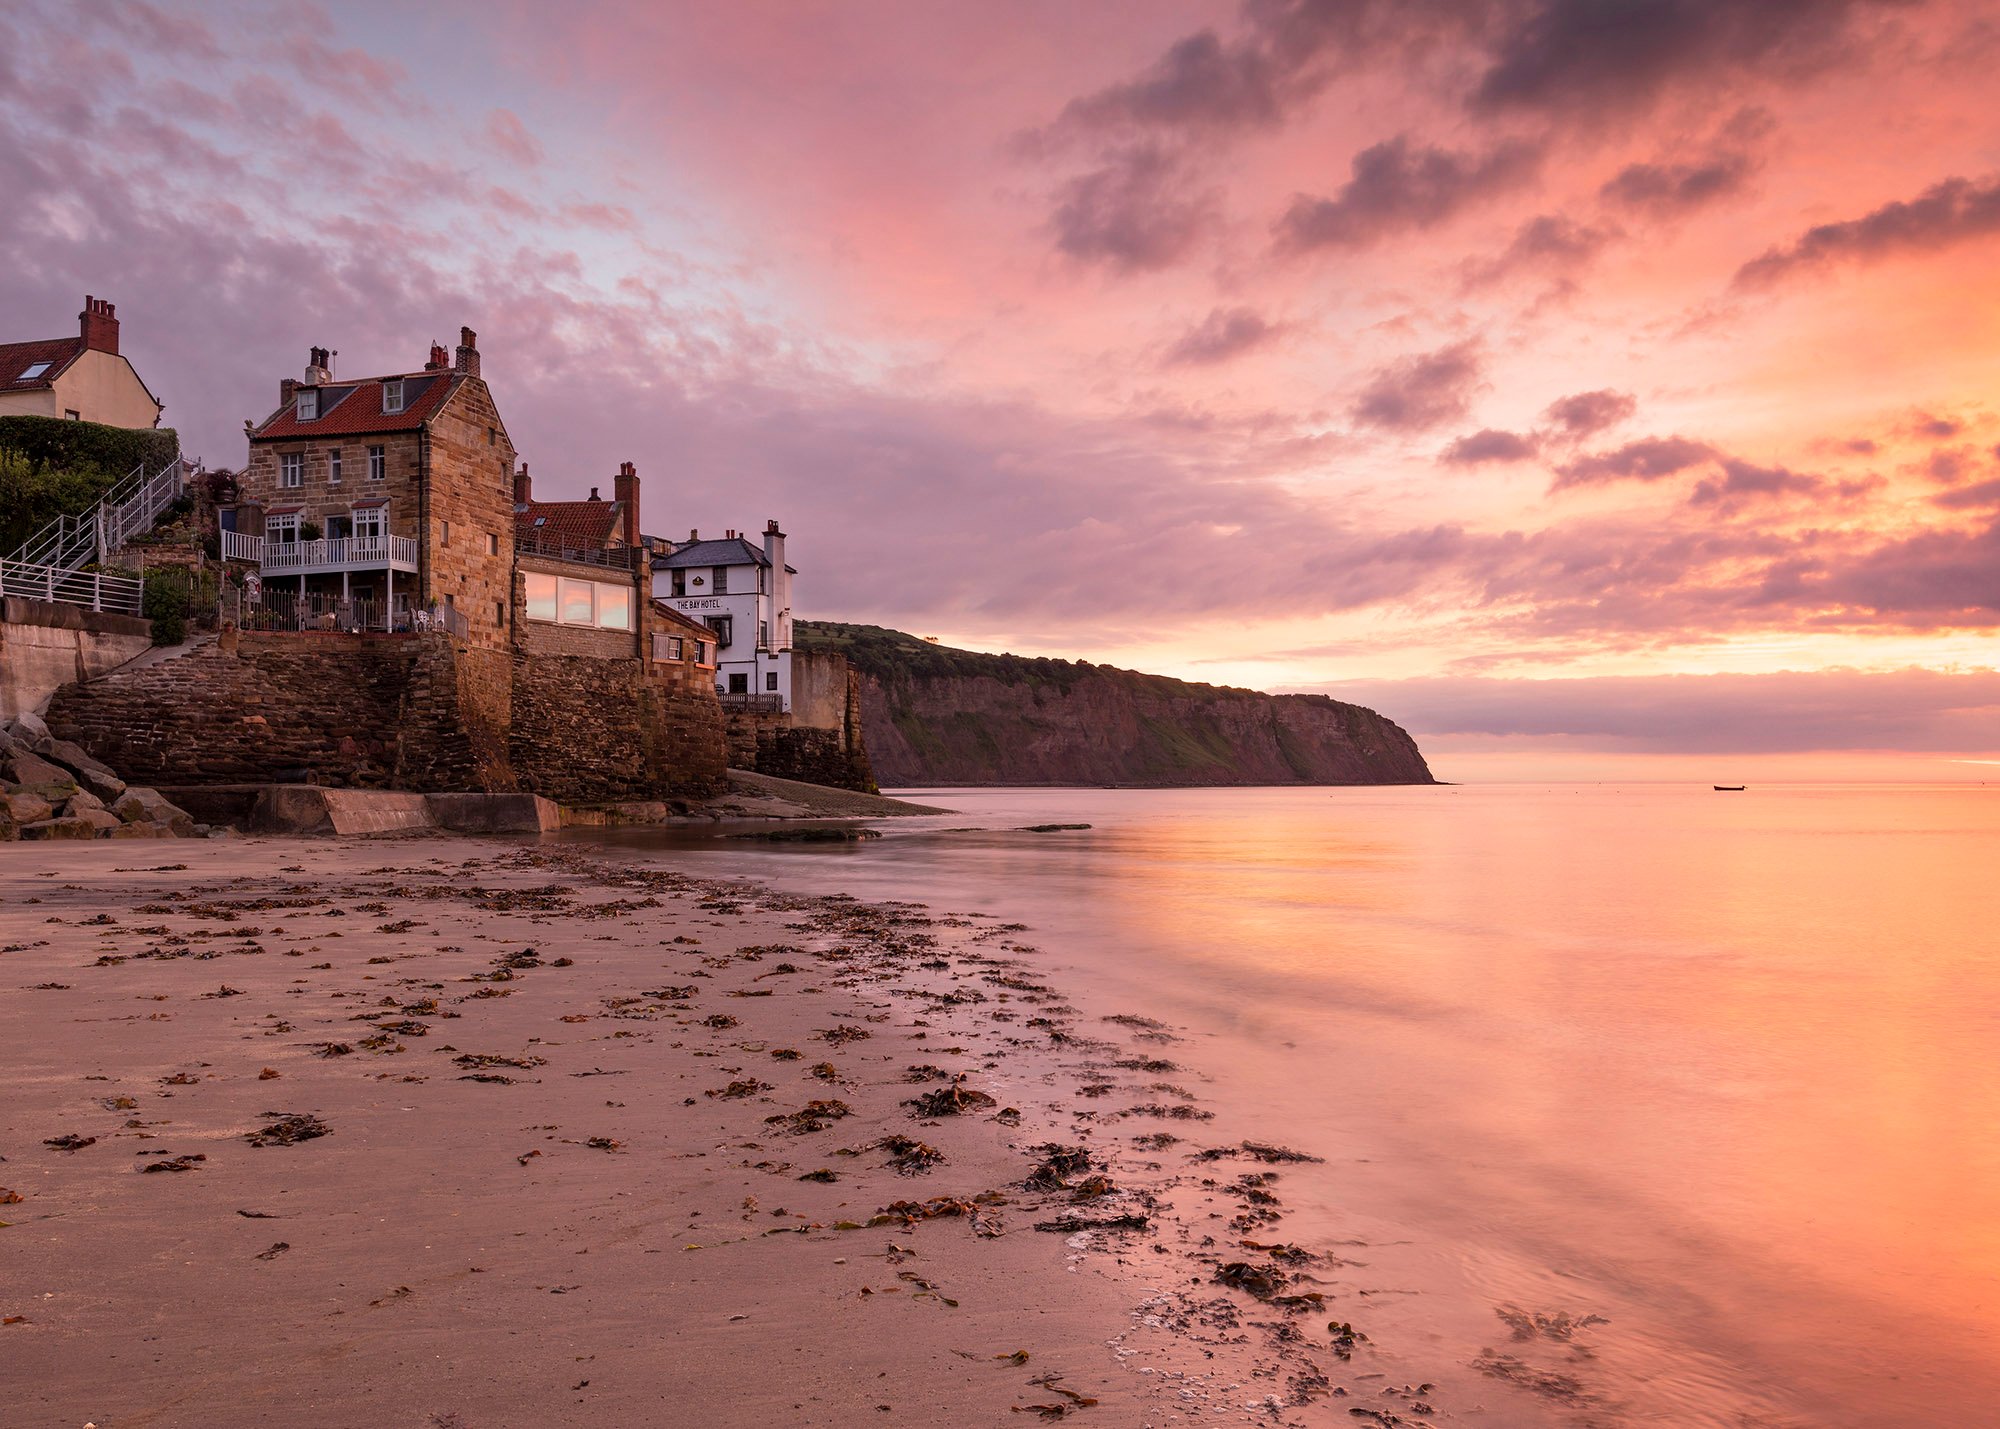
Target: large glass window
point(614, 607)
point(578, 602)
point(541, 596)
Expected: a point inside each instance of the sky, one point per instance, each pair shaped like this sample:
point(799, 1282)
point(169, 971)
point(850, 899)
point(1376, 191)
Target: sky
point(1600, 388)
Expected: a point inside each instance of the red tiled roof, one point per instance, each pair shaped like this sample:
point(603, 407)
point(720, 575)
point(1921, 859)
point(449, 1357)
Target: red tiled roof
point(348, 408)
point(572, 525)
point(18, 357)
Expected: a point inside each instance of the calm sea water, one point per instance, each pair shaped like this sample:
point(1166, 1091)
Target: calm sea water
point(1723, 1069)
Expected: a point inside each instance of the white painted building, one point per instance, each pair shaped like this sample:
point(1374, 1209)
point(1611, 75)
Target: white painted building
point(743, 593)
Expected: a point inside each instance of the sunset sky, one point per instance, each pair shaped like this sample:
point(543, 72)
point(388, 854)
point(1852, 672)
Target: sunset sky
point(1602, 388)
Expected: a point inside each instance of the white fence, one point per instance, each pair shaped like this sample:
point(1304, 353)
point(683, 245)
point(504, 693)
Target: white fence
point(122, 595)
point(128, 509)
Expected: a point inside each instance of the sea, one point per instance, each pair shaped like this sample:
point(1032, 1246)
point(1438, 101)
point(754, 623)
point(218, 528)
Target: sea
point(1640, 1105)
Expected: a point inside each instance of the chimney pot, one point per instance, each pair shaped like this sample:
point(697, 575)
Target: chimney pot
point(694, 535)
point(98, 324)
point(593, 493)
point(626, 490)
point(468, 352)
point(524, 486)
point(439, 359)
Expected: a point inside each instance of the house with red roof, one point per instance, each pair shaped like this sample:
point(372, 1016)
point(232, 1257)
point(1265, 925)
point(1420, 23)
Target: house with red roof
point(383, 502)
point(82, 377)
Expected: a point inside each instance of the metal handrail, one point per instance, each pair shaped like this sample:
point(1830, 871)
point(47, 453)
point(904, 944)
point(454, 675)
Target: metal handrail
point(122, 595)
point(627, 557)
point(128, 508)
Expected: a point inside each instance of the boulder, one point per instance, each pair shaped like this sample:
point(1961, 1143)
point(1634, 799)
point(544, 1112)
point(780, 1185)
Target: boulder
point(141, 804)
point(28, 727)
point(83, 799)
point(46, 779)
point(58, 829)
point(24, 807)
point(91, 773)
point(101, 820)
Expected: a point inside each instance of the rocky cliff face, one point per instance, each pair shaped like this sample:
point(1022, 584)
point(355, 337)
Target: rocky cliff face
point(936, 716)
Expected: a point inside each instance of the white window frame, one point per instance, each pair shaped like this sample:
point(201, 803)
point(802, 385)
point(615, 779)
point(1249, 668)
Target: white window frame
point(35, 370)
point(392, 397)
point(282, 530)
point(378, 463)
point(333, 467)
point(308, 404)
point(291, 470)
point(371, 521)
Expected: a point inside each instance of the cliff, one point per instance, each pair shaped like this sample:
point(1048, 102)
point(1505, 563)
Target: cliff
point(933, 715)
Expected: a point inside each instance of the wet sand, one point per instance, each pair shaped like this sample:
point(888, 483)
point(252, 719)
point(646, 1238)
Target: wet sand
point(450, 1132)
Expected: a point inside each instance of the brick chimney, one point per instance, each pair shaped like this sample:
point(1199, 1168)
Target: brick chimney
point(99, 320)
point(524, 485)
point(439, 359)
point(626, 490)
point(468, 352)
point(593, 494)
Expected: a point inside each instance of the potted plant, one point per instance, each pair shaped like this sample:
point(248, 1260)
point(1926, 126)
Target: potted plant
point(309, 530)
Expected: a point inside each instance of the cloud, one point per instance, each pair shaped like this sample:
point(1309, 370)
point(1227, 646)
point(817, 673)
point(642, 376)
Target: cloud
point(1793, 710)
point(1955, 211)
point(1584, 414)
point(1946, 465)
point(1398, 186)
point(1669, 190)
point(1742, 479)
point(1936, 578)
point(1489, 445)
point(1986, 493)
point(1618, 57)
point(1550, 245)
point(1200, 82)
point(511, 140)
point(1648, 459)
point(1131, 214)
point(1223, 334)
point(1421, 392)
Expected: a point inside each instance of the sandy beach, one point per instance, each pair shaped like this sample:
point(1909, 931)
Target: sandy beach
point(448, 1132)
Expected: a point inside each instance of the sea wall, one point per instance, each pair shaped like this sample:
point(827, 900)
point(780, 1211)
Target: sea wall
point(45, 645)
point(585, 730)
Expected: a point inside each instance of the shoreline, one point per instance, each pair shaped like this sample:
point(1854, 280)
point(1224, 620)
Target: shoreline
point(607, 1120)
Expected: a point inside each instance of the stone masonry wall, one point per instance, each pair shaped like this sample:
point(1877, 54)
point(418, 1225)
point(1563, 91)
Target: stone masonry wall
point(819, 740)
point(605, 730)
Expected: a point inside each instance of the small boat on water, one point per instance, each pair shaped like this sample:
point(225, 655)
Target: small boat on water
point(1729, 788)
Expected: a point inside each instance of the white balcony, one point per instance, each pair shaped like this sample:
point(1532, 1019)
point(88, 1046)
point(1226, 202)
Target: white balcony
point(340, 553)
point(241, 546)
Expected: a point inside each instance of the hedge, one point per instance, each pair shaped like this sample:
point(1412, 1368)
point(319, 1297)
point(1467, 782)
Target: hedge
point(60, 444)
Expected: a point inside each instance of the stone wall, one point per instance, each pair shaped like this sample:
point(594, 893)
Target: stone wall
point(609, 730)
point(45, 645)
point(819, 740)
point(313, 708)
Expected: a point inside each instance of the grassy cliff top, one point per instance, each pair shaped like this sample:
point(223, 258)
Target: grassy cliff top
point(891, 655)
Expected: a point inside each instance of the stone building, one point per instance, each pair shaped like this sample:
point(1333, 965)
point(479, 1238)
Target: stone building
point(384, 502)
point(83, 377)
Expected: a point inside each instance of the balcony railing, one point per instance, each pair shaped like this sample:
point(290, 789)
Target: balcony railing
point(752, 704)
point(624, 557)
point(241, 546)
point(341, 553)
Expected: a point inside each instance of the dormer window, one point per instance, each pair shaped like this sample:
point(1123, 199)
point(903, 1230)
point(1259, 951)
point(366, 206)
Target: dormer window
point(308, 404)
point(392, 397)
point(34, 371)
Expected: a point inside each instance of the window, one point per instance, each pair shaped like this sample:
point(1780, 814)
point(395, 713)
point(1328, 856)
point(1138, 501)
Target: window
point(771, 680)
point(378, 463)
point(500, 612)
point(492, 544)
point(281, 530)
point(71, 414)
point(680, 582)
point(392, 397)
point(541, 592)
point(614, 607)
point(722, 583)
point(492, 436)
point(371, 522)
point(666, 647)
point(763, 581)
point(339, 526)
point(35, 370)
point(722, 625)
point(333, 467)
point(308, 404)
point(764, 634)
point(739, 684)
point(292, 469)
point(579, 602)
point(444, 533)
point(704, 653)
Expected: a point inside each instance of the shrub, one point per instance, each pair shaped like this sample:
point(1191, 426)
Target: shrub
point(166, 602)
